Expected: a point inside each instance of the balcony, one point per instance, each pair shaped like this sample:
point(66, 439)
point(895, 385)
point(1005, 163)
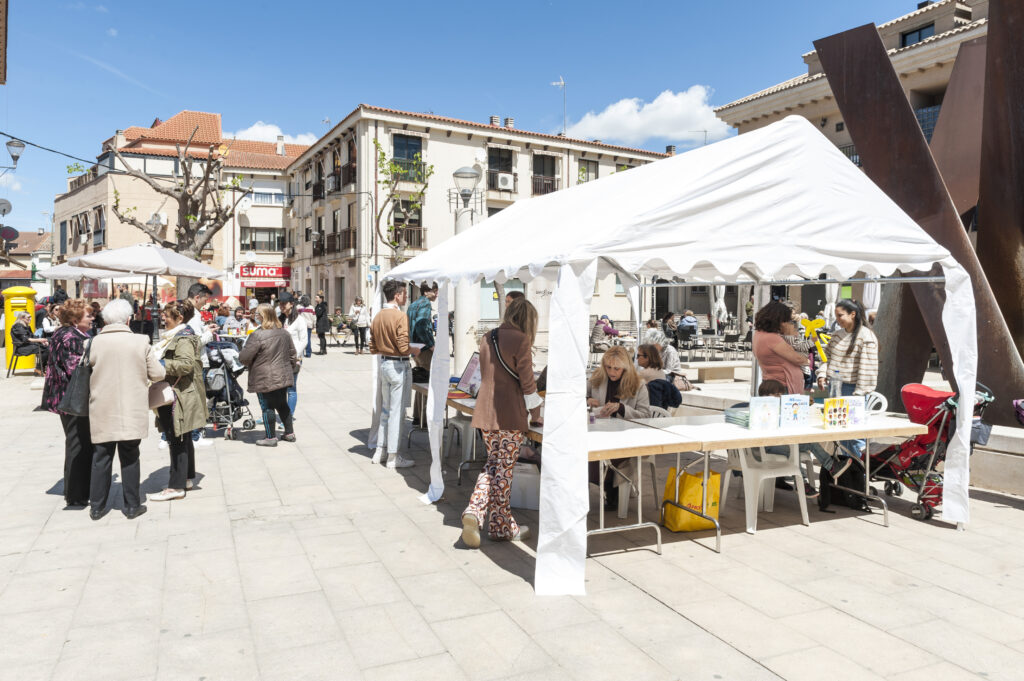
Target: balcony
point(415, 237)
point(348, 174)
point(338, 242)
point(544, 185)
point(411, 170)
point(851, 153)
point(318, 246)
point(318, 190)
point(494, 184)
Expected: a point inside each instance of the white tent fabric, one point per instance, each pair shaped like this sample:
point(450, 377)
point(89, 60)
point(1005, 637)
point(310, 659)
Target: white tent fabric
point(767, 205)
point(146, 259)
point(831, 297)
point(872, 295)
point(67, 272)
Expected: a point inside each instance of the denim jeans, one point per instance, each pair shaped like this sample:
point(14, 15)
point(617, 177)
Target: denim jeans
point(293, 397)
point(851, 447)
point(394, 377)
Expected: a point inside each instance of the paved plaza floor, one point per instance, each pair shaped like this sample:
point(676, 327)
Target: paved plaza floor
point(308, 562)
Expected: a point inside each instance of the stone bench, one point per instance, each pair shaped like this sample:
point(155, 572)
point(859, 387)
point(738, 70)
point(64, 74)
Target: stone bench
point(708, 372)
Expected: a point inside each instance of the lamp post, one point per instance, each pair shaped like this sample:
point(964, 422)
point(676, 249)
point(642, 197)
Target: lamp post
point(467, 300)
point(15, 148)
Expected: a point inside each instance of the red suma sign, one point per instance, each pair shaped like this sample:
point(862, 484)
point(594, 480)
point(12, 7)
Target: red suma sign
point(265, 271)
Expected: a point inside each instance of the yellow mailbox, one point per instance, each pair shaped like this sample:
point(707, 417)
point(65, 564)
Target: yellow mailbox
point(18, 299)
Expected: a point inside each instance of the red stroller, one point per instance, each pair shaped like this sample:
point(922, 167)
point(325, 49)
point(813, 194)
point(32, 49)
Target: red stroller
point(913, 463)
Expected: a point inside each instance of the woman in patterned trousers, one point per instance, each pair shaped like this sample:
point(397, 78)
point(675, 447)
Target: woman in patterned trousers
point(507, 391)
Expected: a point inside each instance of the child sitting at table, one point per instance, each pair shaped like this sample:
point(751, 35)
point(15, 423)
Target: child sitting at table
point(834, 466)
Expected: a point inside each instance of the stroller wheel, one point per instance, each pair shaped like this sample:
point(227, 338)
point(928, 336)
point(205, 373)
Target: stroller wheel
point(920, 512)
point(888, 489)
point(897, 488)
point(873, 490)
point(248, 424)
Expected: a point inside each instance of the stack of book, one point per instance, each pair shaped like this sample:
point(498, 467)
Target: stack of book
point(739, 417)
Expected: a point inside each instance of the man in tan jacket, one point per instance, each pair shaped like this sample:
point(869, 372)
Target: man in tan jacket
point(389, 337)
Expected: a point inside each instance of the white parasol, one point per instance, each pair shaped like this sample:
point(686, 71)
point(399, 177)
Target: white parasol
point(146, 259)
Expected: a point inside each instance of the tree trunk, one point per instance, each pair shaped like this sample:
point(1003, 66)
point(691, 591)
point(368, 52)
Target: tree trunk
point(183, 285)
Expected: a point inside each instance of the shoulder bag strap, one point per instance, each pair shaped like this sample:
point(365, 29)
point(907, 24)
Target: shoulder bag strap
point(497, 353)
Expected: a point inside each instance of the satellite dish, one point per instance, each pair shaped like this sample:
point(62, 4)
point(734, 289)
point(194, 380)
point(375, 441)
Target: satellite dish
point(223, 150)
point(5, 207)
point(481, 157)
point(244, 205)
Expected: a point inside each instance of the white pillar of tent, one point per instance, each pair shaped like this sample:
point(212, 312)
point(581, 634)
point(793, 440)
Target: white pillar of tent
point(437, 397)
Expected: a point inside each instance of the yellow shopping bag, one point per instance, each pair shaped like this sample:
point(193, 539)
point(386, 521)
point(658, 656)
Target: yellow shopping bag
point(690, 494)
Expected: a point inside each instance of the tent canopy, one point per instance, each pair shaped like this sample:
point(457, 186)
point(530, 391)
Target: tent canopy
point(146, 259)
point(777, 203)
point(768, 204)
point(67, 272)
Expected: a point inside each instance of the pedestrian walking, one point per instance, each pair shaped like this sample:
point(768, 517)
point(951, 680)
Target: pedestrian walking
point(323, 323)
point(123, 364)
point(66, 349)
point(421, 331)
point(360, 316)
point(389, 337)
point(507, 392)
point(309, 316)
point(179, 351)
point(295, 324)
point(273, 362)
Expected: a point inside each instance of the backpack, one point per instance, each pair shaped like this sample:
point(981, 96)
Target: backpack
point(828, 493)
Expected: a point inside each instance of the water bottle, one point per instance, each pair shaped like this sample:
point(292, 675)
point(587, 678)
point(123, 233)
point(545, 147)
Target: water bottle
point(835, 384)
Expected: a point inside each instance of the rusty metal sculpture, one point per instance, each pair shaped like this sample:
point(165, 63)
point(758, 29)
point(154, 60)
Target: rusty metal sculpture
point(1001, 201)
point(895, 155)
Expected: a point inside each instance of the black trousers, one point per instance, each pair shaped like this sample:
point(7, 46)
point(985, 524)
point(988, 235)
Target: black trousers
point(360, 334)
point(103, 462)
point(182, 448)
point(276, 400)
point(323, 341)
point(78, 451)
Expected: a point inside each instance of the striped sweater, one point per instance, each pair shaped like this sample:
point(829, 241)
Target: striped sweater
point(859, 366)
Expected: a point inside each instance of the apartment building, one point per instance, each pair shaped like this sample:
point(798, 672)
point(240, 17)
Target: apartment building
point(249, 250)
point(31, 255)
point(922, 45)
point(336, 191)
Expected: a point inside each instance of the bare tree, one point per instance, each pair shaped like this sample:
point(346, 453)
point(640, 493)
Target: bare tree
point(205, 202)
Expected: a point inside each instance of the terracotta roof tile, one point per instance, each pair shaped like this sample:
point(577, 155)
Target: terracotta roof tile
point(180, 127)
point(16, 274)
point(269, 160)
point(30, 242)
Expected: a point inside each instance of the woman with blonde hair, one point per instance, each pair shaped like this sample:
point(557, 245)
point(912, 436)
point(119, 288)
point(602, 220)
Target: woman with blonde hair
point(273, 360)
point(616, 389)
point(507, 392)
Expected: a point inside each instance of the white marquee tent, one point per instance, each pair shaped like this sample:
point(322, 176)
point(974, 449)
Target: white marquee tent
point(776, 203)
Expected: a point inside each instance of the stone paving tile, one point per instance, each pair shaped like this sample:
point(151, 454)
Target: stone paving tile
point(224, 656)
point(328, 661)
point(435, 667)
point(43, 590)
point(350, 587)
point(33, 638)
point(292, 621)
point(942, 670)
point(596, 651)
point(277, 576)
point(124, 650)
point(468, 641)
point(391, 632)
point(808, 665)
point(746, 629)
point(965, 649)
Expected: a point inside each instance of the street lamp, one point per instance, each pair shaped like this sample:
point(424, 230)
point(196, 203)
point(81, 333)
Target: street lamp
point(15, 148)
point(467, 297)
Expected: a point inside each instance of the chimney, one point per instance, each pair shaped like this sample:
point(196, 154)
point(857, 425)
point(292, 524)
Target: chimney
point(510, 122)
point(280, 145)
point(670, 149)
point(119, 140)
point(495, 120)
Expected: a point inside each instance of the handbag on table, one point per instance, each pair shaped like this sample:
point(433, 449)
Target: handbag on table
point(76, 398)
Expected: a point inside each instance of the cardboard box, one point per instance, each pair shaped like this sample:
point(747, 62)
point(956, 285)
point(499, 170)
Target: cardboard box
point(526, 486)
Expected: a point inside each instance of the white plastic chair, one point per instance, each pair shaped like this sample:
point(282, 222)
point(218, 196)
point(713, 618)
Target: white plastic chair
point(462, 426)
point(756, 473)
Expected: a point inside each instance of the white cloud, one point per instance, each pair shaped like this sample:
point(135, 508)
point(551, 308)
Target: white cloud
point(10, 182)
point(102, 9)
point(676, 117)
point(112, 32)
point(268, 132)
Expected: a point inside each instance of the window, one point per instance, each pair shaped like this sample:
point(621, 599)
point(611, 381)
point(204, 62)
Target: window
point(63, 237)
point(336, 161)
point(917, 35)
point(320, 226)
point(352, 219)
point(336, 221)
point(620, 290)
point(262, 239)
point(99, 235)
point(307, 177)
point(491, 211)
point(308, 229)
point(840, 126)
point(499, 160)
point(267, 199)
point(407, 147)
point(409, 217)
point(544, 165)
point(587, 171)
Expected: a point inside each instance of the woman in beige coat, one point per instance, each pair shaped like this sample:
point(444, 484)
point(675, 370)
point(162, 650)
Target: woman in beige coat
point(179, 352)
point(123, 364)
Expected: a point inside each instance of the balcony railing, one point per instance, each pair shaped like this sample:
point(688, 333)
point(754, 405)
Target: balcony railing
point(851, 153)
point(348, 174)
point(494, 184)
point(318, 246)
point(415, 237)
point(544, 185)
point(338, 242)
point(318, 190)
point(412, 171)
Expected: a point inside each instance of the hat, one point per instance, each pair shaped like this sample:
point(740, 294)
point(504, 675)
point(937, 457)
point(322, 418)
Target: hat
point(604, 316)
point(286, 297)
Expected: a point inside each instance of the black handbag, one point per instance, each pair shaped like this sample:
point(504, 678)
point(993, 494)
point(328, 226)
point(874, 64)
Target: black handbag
point(76, 397)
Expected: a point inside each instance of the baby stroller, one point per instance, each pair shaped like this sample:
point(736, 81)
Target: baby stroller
point(913, 463)
point(225, 396)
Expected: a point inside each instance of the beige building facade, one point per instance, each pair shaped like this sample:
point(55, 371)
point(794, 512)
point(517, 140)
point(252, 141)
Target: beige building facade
point(337, 189)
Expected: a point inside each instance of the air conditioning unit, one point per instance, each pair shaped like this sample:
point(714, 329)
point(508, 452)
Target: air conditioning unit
point(331, 183)
point(289, 252)
point(506, 182)
point(83, 238)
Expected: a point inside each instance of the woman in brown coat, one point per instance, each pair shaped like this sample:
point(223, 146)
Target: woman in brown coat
point(501, 413)
point(123, 363)
point(270, 355)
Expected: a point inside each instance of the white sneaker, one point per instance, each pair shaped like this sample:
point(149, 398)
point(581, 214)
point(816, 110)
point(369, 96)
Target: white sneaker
point(167, 495)
point(190, 483)
point(378, 456)
point(399, 461)
point(162, 445)
point(203, 441)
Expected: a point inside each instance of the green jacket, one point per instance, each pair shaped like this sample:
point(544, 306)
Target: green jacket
point(185, 374)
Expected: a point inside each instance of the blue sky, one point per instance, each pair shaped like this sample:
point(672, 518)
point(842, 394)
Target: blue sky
point(647, 72)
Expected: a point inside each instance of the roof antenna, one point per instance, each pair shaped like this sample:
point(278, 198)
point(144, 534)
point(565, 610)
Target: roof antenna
point(560, 83)
point(326, 121)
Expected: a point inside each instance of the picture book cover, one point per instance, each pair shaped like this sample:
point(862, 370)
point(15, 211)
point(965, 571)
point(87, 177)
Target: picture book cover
point(764, 413)
point(858, 412)
point(837, 412)
point(795, 410)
